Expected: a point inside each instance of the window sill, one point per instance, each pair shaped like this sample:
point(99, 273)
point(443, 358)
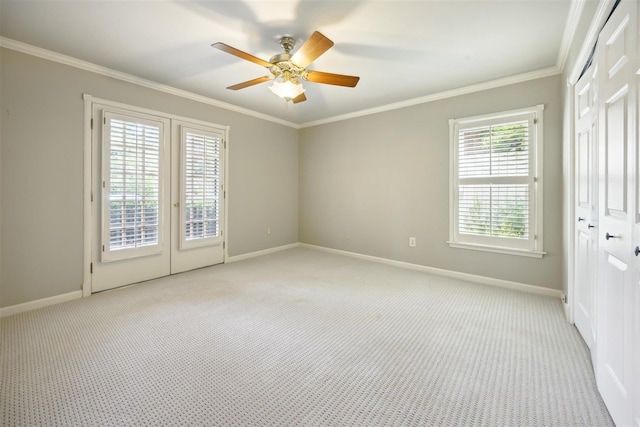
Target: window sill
point(499, 250)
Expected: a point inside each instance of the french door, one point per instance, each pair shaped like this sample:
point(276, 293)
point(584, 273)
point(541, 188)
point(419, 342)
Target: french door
point(197, 156)
point(157, 195)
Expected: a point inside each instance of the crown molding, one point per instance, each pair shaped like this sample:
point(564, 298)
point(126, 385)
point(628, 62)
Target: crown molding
point(519, 78)
point(129, 78)
point(570, 28)
point(590, 39)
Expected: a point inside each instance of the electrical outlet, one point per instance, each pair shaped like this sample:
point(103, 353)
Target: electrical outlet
point(412, 242)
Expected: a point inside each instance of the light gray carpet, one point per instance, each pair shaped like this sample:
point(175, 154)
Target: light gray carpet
point(298, 337)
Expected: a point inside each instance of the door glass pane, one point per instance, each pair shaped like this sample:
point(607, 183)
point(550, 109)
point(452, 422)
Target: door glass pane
point(134, 184)
point(202, 178)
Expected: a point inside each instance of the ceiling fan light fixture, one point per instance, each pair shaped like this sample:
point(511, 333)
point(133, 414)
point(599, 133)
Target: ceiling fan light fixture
point(287, 70)
point(286, 89)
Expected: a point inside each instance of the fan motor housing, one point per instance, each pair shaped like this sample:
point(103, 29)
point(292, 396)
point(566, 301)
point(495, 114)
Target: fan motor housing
point(282, 66)
point(281, 57)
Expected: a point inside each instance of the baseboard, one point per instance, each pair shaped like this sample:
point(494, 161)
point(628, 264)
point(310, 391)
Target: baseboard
point(441, 272)
point(567, 309)
point(260, 253)
point(39, 303)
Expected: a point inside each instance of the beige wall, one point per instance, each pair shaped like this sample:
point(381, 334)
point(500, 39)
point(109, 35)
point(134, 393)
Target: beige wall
point(41, 172)
point(382, 178)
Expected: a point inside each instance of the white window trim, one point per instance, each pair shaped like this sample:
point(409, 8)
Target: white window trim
point(536, 246)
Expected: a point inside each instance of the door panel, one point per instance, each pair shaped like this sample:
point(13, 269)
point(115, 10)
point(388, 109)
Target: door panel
point(614, 370)
point(613, 360)
point(636, 351)
point(616, 362)
point(615, 122)
point(198, 196)
point(636, 221)
point(131, 197)
point(584, 288)
point(584, 168)
point(586, 209)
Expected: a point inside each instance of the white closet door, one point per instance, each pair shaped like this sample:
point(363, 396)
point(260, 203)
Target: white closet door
point(617, 212)
point(636, 222)
point(586, 185)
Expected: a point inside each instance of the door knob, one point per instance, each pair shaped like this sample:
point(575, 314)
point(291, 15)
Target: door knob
point(176, 204)
point(610, 236)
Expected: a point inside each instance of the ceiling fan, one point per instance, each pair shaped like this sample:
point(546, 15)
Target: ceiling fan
point(287, 70)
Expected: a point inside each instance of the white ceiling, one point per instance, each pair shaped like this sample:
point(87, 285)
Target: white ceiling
point(400, 49)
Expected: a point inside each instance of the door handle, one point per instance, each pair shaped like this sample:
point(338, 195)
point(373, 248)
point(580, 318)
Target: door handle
point(176, 204)
point(580, 219)
point(636, 251)
point(610, 236)
point(591, 226)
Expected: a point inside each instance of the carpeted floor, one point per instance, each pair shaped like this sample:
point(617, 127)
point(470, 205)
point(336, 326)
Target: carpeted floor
point(299, 337)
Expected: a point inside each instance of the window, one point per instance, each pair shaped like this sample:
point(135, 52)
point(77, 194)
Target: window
point(496, 182)
point(132, 159)
point(201, 181)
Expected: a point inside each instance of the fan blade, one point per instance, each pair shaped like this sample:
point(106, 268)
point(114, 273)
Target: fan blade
point(299, 98)
point(240, 54)
point(250, 83)
point(315, 46)
point(332, 79)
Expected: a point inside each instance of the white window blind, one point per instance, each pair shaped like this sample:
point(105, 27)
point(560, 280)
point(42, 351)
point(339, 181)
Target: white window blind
point(131, 181)
point(494, 151)
point(201, 175)
point(495, 193)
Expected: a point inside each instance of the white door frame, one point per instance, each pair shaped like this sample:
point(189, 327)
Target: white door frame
point(88, 236)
